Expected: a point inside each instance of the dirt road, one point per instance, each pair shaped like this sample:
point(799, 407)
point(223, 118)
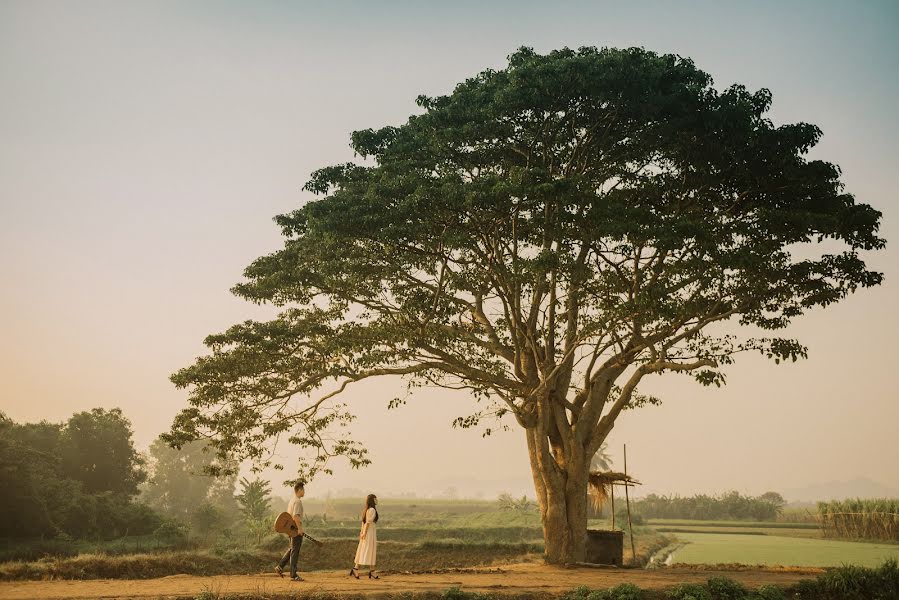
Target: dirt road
point(505, 580)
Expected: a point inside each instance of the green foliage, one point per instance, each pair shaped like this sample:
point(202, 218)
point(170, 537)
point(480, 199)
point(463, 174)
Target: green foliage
point(99, 452)
point(624, 591)
point(621, 518)
point(172, 530)
point(851, 582)
point(770, 592)
point(844, 583)
point(690, 591)
point(723, 588)
point(208, 520)
point(523, 504)
point(255, 507)
point(457, 593)
point(727, 506)
point(254, 498)
point(76, 479)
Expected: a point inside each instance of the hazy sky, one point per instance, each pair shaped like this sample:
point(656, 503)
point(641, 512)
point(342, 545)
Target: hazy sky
point(145, 148)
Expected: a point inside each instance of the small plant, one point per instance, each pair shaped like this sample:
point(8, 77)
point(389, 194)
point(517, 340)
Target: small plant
point(523, 504)
point(456, 593)
point(723, 588)
point(579, 593)
point(172, 530)
point(625, 591)
point(206, 595)
point(690, 591)
point(770, 592)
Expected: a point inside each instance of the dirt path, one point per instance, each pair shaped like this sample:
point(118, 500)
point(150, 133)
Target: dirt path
point(508, 579)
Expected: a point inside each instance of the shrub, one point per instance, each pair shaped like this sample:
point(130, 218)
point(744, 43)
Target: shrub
point(723, 588)
point(621, 518)
point(578, 593)
point(857, 583)
point(456, 593)
point(690, 591)
point(172, 531)
point(770, 592)
point(625, 591)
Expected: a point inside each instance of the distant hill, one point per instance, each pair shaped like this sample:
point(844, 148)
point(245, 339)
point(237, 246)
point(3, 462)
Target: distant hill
point(860, 487)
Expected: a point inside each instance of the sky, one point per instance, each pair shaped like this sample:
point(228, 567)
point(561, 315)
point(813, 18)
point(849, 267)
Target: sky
point(146, 146)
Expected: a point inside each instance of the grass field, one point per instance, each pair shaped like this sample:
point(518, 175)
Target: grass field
point(728, 548)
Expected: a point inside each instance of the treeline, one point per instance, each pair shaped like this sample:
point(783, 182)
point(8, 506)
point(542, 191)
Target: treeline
point(84, 479)
point(78, 478)
point(862, 519)
point(727, 507)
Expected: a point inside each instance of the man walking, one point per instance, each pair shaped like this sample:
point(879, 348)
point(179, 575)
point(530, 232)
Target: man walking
point(295, 508)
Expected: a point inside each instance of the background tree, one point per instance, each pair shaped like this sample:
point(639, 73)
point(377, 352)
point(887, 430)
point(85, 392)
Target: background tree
point(255, 506)
point(56, 482)
point(178, 481)
point(543, 238)
point(29, 475)
point(601, 460)
point(208, 520)
point(775, 499)
point(100, 452)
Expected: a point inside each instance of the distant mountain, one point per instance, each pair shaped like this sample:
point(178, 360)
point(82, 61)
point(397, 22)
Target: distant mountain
point(861, 487)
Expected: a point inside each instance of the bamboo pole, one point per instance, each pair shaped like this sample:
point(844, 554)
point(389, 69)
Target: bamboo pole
point(627, 499)
point(612, 487)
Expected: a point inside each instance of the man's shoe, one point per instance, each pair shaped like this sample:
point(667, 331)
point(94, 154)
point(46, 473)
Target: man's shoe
point(297, 578)
point(279, 571)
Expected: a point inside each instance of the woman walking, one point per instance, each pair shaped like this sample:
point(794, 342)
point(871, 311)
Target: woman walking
point(366, 553)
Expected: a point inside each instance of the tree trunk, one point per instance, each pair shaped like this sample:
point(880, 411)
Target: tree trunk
point(562, 497)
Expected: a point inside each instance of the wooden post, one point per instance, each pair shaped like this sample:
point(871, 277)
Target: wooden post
point(628, 500)
point(612, 487)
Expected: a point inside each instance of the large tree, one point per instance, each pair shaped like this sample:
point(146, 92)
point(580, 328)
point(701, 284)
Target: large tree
point(99, 452)
point(544, 238)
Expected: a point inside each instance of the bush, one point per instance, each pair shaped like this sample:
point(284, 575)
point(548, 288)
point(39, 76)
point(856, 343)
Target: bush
point(852, 582)
point(456, 593)
point(625, 591)
point(690, 591)
point(621, 518)
point(173, 531)
point(770, 592)
point(723, 588)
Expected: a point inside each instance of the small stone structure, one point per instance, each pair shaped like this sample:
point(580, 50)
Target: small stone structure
point(605, 547)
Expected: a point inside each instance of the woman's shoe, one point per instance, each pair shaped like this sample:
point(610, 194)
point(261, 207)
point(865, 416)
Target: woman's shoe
point(370, 576)
point(353, 573)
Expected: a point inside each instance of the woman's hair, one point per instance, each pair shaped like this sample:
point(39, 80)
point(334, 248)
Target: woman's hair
point(370, 502)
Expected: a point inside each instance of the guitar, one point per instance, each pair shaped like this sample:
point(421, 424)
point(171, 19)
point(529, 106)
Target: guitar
point(286, 525)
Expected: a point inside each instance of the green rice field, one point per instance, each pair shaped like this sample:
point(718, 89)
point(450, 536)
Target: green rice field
point(726, 548)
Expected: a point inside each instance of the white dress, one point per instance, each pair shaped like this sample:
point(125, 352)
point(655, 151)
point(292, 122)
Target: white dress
point(367, 551)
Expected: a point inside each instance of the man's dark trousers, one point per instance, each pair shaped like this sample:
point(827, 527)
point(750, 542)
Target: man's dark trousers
point(292, 555)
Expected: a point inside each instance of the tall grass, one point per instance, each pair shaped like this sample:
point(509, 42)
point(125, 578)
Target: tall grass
point(866, 519)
